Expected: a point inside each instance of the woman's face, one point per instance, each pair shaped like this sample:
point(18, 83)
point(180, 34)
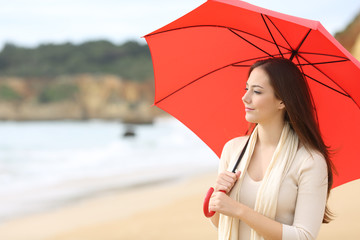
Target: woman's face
point(261, 105)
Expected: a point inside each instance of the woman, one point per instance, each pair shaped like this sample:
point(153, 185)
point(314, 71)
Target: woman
point(283, 181)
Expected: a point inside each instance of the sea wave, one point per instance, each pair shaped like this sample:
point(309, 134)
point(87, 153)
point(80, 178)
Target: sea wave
point(44, 164)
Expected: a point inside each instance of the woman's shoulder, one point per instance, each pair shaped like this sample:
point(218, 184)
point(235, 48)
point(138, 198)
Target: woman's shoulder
point(230, 150)
point(310, 154)
point(233, 145)
point(236, 142)
point(309, 159)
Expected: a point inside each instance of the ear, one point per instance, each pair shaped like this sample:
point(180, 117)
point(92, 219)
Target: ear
point(281, 105)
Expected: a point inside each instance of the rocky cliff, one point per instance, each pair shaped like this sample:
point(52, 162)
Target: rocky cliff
point(349, 37)
point(77, 97)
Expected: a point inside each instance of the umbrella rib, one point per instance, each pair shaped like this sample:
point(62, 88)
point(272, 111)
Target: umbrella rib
point(194, 26)
point(346, 95)
point(237, 64)
point(295, 52)
point(179, 89)
point(313, 64)
point(300, 65)
point(319, 63)
point(277, 46)
point(308, 63)
point(250, 42)
point(186, 85)
point(312, 98)
point(242, 65)
point(324, 54)
point(278, 31)
point(219, 26)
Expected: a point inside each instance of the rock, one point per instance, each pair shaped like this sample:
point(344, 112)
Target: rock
point(129, 132)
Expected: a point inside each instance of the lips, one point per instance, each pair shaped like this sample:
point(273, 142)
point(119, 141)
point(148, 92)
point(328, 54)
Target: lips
point(247, 109)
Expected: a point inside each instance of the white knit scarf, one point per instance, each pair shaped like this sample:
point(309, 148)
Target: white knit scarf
point(267, 196)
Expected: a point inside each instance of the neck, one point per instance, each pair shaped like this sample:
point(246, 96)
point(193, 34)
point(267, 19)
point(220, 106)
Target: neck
point(269, 134)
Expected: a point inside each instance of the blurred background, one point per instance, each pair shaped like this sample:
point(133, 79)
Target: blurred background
point(81, 143)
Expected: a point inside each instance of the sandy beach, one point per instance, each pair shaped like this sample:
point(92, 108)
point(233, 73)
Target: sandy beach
point(170, 210)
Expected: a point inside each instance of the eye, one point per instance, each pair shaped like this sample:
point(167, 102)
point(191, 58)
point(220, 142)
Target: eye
point(257, 92)
point(246, 89)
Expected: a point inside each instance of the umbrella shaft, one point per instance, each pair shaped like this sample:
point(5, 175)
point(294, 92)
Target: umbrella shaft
point(241, 155)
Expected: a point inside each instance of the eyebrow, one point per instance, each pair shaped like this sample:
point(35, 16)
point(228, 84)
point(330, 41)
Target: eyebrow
point(254, 86)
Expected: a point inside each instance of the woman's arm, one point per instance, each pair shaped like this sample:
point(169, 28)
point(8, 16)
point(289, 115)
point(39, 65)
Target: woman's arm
point(311, 199)
point(266, 227)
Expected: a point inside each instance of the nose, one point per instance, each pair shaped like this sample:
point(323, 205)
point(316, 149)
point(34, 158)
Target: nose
point(246, 98)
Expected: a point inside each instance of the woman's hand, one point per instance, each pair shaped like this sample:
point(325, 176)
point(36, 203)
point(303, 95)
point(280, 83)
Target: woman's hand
point(219, 201)
point(225, 181)
point(222, 203)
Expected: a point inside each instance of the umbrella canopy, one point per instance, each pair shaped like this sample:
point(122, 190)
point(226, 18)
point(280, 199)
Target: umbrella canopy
point(201, 62)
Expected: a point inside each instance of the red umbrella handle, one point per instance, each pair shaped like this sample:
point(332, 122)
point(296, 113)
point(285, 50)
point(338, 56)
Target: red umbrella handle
point(208, 213)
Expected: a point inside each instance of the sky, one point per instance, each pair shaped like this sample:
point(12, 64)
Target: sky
point(30, 23)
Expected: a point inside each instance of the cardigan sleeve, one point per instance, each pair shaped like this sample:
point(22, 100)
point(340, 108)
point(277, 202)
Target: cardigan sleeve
point(311, 200)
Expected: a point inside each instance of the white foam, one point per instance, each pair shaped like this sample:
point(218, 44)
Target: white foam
point(45, 163)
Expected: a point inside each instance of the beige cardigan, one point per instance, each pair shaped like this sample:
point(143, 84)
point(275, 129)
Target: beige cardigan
point(302, 196)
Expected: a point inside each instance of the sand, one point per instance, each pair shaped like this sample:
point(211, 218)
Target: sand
point(163, 211)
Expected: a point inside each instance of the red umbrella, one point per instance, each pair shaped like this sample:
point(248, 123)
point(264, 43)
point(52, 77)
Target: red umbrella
point(201, 62)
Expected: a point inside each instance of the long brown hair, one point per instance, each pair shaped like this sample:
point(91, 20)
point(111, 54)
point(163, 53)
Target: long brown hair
point(291, 87)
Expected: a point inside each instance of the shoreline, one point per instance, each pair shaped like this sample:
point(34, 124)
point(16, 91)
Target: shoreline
point(63, 194)
point(108, 207)
point(170, 210)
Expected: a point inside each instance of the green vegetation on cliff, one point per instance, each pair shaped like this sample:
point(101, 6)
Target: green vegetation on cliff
point(8, 94)
point(130, 60)
point(57, 93)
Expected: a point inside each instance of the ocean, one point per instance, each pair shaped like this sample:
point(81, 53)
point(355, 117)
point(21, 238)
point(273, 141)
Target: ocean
point(44, 165)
